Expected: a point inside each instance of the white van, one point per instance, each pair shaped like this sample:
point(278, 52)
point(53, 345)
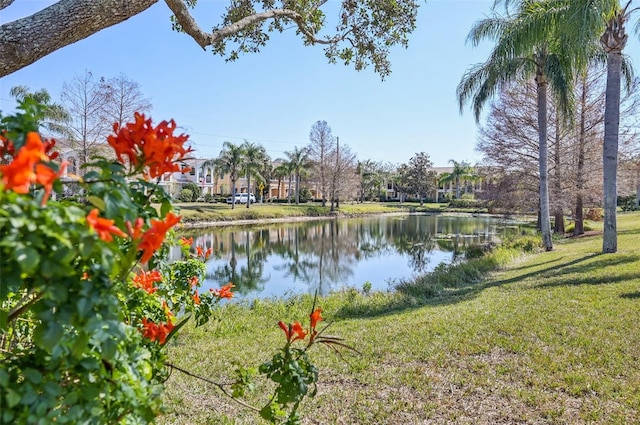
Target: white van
point(242, 198)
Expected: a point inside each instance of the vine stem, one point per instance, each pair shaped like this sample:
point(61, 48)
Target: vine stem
point(220, 386)
point(24, 304)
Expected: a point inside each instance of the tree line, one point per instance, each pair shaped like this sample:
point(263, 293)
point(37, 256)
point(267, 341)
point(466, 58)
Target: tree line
point(553, 44)
point(333, 169)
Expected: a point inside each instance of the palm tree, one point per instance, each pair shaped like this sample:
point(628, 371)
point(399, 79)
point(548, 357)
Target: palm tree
point(298, 163)
point(462, 172)
point(521, 53)
point(604, 21)
point(254, 156)
point(54, 116)
point(280, 171)
point(230, 161)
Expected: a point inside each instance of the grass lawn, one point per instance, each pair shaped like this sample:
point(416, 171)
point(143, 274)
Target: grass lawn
point(551, 338)
point(205, 212)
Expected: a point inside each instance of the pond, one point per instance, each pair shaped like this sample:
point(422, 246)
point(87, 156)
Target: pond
point(276, 260)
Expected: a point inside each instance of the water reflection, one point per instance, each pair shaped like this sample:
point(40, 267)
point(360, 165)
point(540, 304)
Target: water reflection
point(324, 255)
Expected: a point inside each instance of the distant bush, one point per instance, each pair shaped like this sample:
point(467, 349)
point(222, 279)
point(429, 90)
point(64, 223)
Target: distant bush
point(627, 203)
point(594, 214)
point(208, 197)
point(195, 191)
point(305, 195)
point(467, 203)
point(569, 229)
point(477, 250)
point(186, 195)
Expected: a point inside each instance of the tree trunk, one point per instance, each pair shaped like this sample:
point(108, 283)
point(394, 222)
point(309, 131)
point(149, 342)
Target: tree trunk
point(559, 213)
point(580, 178)
point(248, 190)
point(579, 216)
point(610, 150)
point(233, 194)
point(297, 188)
point(545, 221)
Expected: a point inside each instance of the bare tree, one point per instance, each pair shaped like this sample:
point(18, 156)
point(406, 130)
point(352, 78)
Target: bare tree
point(321, 147)
point(364, 31)
point(85, 98)
point(124, 97)
point(509, 145)
point(587, 147)
point(342, 173)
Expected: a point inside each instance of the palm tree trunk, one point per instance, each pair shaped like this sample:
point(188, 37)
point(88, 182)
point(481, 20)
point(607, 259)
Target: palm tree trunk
point(610, 150)
point(233, 194)
point(580, 178)
point(545, 222)
point(297, 188)
point(248, 190)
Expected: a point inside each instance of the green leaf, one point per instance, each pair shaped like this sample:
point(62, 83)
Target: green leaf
point(4, 378)
point(28, 259)
point(48, 335)
point(109, 349)
point(177, 327)
point(87, 244)
point(84, 307)
point(4, 320)
point(165, 207)
point(12, 397)
point(80, 345)
point(32, 375)
point(96, 202)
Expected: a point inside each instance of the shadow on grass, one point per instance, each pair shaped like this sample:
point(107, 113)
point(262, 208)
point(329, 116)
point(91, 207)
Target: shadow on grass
point(631, 295)
point(543, 272)
point(592, 273)
point(366, 308)
point(600, 280)
point(562, 274)
point(629, 232)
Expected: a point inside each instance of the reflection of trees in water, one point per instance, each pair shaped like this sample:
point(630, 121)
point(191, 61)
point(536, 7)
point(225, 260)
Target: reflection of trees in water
point(414, 238)
point(249, 277)
point(317, 254)
point(323, 254)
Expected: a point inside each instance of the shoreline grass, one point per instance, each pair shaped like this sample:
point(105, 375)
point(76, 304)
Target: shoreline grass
point(550, 338)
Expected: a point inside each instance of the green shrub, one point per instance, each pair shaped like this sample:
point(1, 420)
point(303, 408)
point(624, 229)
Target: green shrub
point(627, 203)
point(186, 195)
point(527, 244)
point(476, 251)
point(467, 203)
point(586, 225)
point(195, 191)
point(305, 195)
point(208, 197)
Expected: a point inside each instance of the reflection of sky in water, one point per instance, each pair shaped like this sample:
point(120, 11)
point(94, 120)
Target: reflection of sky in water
point(379, 271)
point(330, 255)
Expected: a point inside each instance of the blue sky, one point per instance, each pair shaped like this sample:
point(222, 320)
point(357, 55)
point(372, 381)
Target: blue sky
point(275, 96)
